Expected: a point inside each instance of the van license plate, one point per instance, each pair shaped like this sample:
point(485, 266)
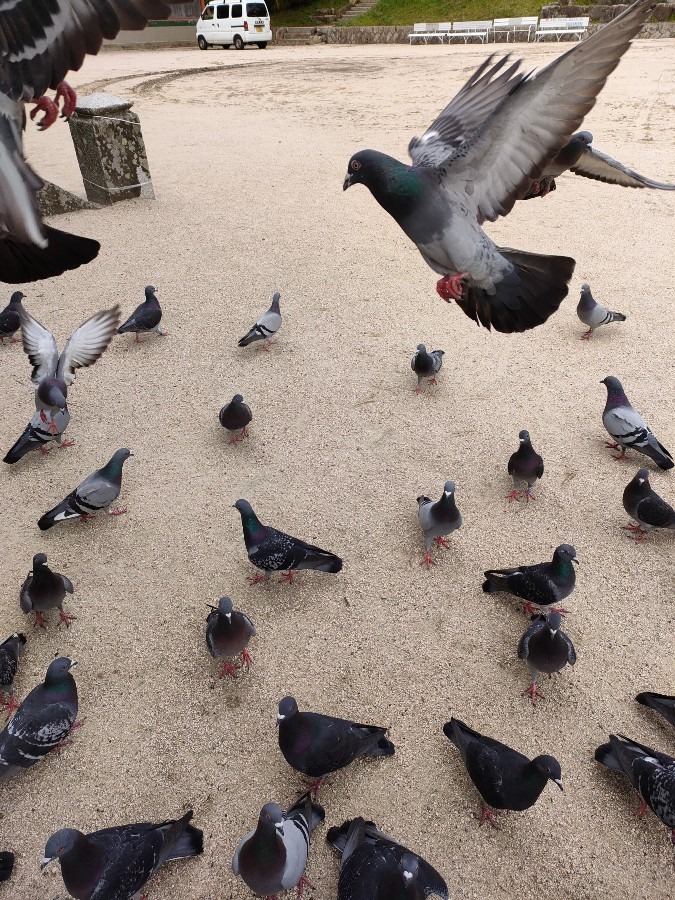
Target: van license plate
point(258, 28)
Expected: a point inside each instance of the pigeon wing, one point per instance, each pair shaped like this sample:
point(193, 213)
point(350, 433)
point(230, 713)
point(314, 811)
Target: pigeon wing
point(19, 215)
point(88, 342)
point(594, 164)
point(39, 346)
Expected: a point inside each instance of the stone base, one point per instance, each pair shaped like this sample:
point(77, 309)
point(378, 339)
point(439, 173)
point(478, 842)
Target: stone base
point(54, 201)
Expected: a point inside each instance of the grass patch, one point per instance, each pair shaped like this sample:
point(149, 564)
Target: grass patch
point(299, 16)
point(407, 12)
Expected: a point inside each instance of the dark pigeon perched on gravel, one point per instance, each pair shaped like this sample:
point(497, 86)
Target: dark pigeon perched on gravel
point(228, 633)
point(438, 518)
point(661, 703)
point(9, 319)
point(96, 492)
point(266, 327)
point(426, 365)
point(43, 590)
point(115, 863)
point(643, 504)
point(6, 865)
point(45, 427)
point(580, 157)
point(145, 318)
point(525, 467)
point(594, 314)
point(42, 722)
point(477, 158)
point(505, 778)
point(546, 648)
point(542, 584)
point(316, 744)
point(10, 651)
point(236, 416)
point(273, 857)
point(376, 867)
point(272, 551)
point(627, 427)
point(651, 773)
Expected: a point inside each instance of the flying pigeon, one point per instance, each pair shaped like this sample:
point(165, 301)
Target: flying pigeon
point(10, 650)
point(273, 856)
point(39, 44)
point(96, 492)
point(317, 745)
point(438, 518)
point(46, 426)
point(9, 319)
point(6, 865)
point(146, 317)
point(43, 590)
point(542, 584)
point(525, 466)
point(271, 550)
point(644, 505)
point(651, 773)
point(593, 313)
point(546, 648)
point(579, 157)
point(662, 703)
point(477, 158)
point(266, 327)
point(116, 862)
point(42, 722)
point(236, 416)
point(227, 635)
point(426, 365)
point(374, 866)
point(504, 778)
point(627, 427)
point(53, 374)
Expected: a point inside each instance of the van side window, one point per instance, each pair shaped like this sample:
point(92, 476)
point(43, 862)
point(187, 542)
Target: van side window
point(222, 12)
point(207, 14)
point(236, 11)
point(256, 9)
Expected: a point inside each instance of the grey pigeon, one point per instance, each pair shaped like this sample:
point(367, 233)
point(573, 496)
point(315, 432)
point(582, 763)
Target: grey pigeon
point(236, 416)
point(96, 492)
point(266, 327)
point(6, 865)
point(477, 158)
point(145, 318)
point(525, 466)
point(10, 651)
point(228, 633)
point(546, 648)
point(43, 590)
point(53, 373)
point(271, 550)
point(273, 856)
point(651, 773)
point(426, 365)
point(644, 505)
point(627, 427)
point(39, 44)
point(46, 427)
point(438, 518)
point(115, 863)
point(316, 744)
point(593, 313)
point(580, 157)
point(9, 319)
point(505, 778)
point(42, 722)
point(542, 584)
point(662, 703)
point(374, 866)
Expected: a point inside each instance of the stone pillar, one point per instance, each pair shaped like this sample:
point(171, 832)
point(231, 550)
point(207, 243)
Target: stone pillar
point(110, 149)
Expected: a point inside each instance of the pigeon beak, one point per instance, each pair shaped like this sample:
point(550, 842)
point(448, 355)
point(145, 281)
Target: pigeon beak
point(347, 182)
point(279, 718)
point(575, 560)
point(211, 606)
point(228, 616)
point(73, 663)
point(279, 827)
point(46, 860)
point(558, 781)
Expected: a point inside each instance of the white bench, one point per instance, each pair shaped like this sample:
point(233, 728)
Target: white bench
point(425, 32)
point(513, 26)
point(466, 30)
point(560, 27)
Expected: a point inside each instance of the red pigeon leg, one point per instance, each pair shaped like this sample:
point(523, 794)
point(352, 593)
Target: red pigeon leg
point(529, 495)
point(533, 692)
point(65, 618)
point(65, 444)
point(44, 450)
point(304, 883)
point(230, 669)
point(256, 579)
point(118, 512)
point(67, 94)
point(441, 542)
point(10, 705)
point(642, 808)
point(586, 336)
point(246, 660)
point(50, 110)
point(288, 576)
point(513, 495)
point(428, 561)
point(450, 287)
point(39, 621)
point(487, 815)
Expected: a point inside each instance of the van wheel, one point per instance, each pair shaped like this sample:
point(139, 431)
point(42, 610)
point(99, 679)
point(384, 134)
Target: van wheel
point(238, 43)
point(201, 42)
point(262, 44)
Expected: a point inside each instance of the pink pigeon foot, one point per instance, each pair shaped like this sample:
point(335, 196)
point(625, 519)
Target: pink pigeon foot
point(246, 660)
point(39, 621)
point(586, 336)
point(529, 608)
point(617, 447)
point(50, 110)
point(230, 669)
point(118, 512)
point(432, 380)
point(9, 706)
point(642, 809)
point(44, 450)
point(304, 883)
point(428, 561)
point(68, 740)
point(441, 542)
point(67, 94)
point(314, 787)
point(256, 579)
point(487, 815)
point(513, 495)
point(266, 345)
point(450, 287)
point(65, 444)
point(288, 576)
point(418, 390)
point(65, 618)
point(533, 692)
point(528, 495)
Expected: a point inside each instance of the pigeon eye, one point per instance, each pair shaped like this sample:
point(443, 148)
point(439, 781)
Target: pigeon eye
point(356, 165)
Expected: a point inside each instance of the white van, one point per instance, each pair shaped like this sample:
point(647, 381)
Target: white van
point(226, 23)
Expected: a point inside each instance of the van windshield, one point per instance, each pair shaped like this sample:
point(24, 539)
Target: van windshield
point(256, 9)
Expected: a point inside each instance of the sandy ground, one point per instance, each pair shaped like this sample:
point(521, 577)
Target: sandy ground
point(248, 152)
